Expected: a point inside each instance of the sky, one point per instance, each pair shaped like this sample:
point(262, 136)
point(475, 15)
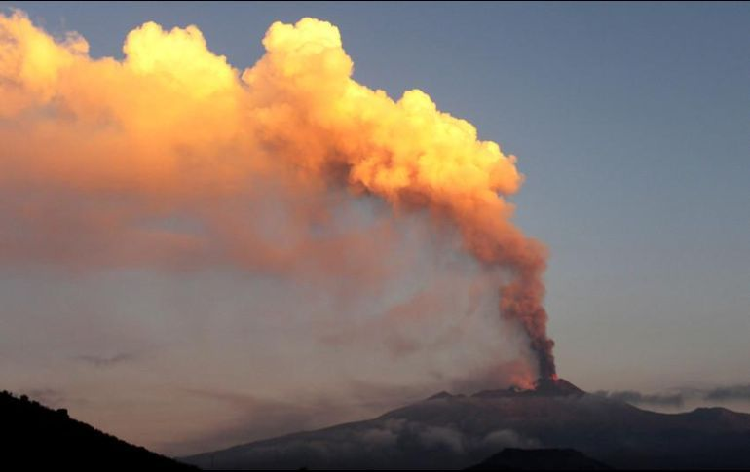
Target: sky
point(630, 125)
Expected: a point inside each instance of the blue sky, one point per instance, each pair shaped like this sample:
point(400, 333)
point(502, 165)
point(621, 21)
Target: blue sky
point(630, 122)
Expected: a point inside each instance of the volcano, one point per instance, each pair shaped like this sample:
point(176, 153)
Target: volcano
point(457, 431)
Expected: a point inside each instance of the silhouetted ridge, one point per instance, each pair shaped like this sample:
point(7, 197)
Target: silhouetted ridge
point(540, 459)
point(36, 436)
point(442, 394)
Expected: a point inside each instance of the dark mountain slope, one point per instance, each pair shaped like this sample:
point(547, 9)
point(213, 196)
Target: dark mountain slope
point(539, 459)
point(35, 436)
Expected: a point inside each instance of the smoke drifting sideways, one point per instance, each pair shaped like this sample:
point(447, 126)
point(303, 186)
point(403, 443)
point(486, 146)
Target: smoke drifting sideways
point(113, 144)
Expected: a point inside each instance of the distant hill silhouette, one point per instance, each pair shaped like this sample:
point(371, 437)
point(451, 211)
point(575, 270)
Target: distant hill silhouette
point(449, 431)
point(539, 459)
point(36, 436)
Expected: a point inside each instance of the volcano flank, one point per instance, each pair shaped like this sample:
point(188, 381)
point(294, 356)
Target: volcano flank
point(458, 431)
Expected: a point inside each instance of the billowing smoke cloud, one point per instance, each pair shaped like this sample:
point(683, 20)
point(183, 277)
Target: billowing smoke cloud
point(172, 157)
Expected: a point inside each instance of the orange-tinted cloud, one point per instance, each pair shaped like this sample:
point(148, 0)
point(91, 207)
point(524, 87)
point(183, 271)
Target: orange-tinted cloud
point(97, 150)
